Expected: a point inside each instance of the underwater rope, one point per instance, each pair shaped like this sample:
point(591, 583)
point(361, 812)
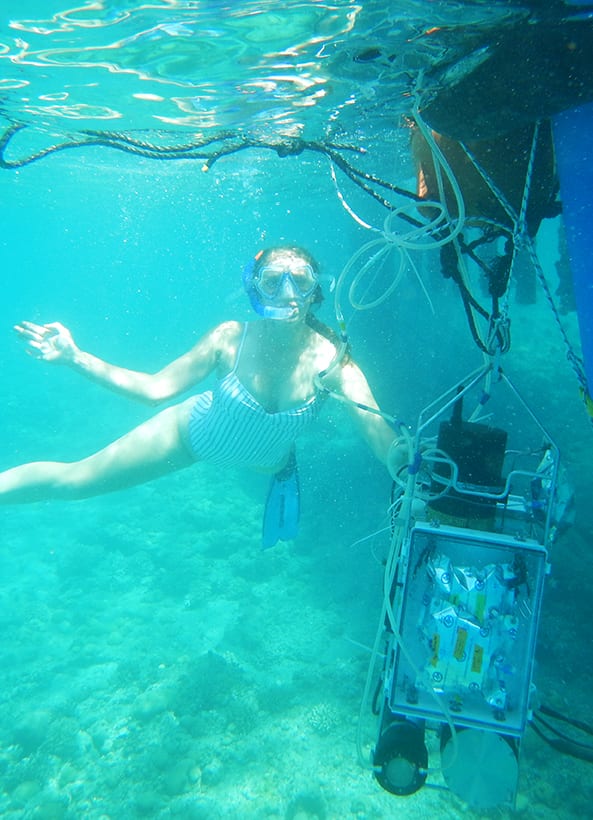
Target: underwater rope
point(558, 740)
point(232, 142)
point(423, 234)
point(522, 238)
point(575, 361)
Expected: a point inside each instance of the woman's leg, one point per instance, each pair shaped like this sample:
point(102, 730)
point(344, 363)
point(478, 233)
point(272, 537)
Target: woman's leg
point(146, 452)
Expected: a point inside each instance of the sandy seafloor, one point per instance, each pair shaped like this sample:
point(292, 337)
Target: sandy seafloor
point(155, 662)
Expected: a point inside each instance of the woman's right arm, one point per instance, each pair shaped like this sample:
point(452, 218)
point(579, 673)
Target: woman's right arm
point(54, 343)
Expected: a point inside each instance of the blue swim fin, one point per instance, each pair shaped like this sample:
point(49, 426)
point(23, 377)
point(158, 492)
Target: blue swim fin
point(283, 505)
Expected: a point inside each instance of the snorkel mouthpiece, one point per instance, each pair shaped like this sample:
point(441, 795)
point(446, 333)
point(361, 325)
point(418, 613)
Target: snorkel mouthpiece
point(270, 312)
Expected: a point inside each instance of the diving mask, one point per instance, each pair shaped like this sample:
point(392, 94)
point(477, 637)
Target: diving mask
point(271, 280)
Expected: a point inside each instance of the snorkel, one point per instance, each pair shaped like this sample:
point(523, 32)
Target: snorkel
point(265, 303)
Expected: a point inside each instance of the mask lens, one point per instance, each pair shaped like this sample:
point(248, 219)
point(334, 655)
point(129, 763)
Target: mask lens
point(304, 279)
point(270, 280)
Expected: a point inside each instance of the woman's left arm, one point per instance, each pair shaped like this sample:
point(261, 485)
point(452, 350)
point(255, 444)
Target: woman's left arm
point(378, 434)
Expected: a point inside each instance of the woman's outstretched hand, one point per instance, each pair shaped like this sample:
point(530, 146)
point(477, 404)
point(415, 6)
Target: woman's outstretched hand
point(50, 343)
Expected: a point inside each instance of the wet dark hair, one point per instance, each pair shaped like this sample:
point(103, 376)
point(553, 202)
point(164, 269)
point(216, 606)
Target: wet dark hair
point(268, 255)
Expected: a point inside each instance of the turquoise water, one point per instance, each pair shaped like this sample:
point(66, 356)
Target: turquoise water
point(154, 662)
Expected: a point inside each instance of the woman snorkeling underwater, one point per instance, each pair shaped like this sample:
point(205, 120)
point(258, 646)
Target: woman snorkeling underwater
point(268, 391)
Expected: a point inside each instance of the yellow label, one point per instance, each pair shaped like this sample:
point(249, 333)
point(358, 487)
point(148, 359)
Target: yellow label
point(460, 643)
point(434, 645)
